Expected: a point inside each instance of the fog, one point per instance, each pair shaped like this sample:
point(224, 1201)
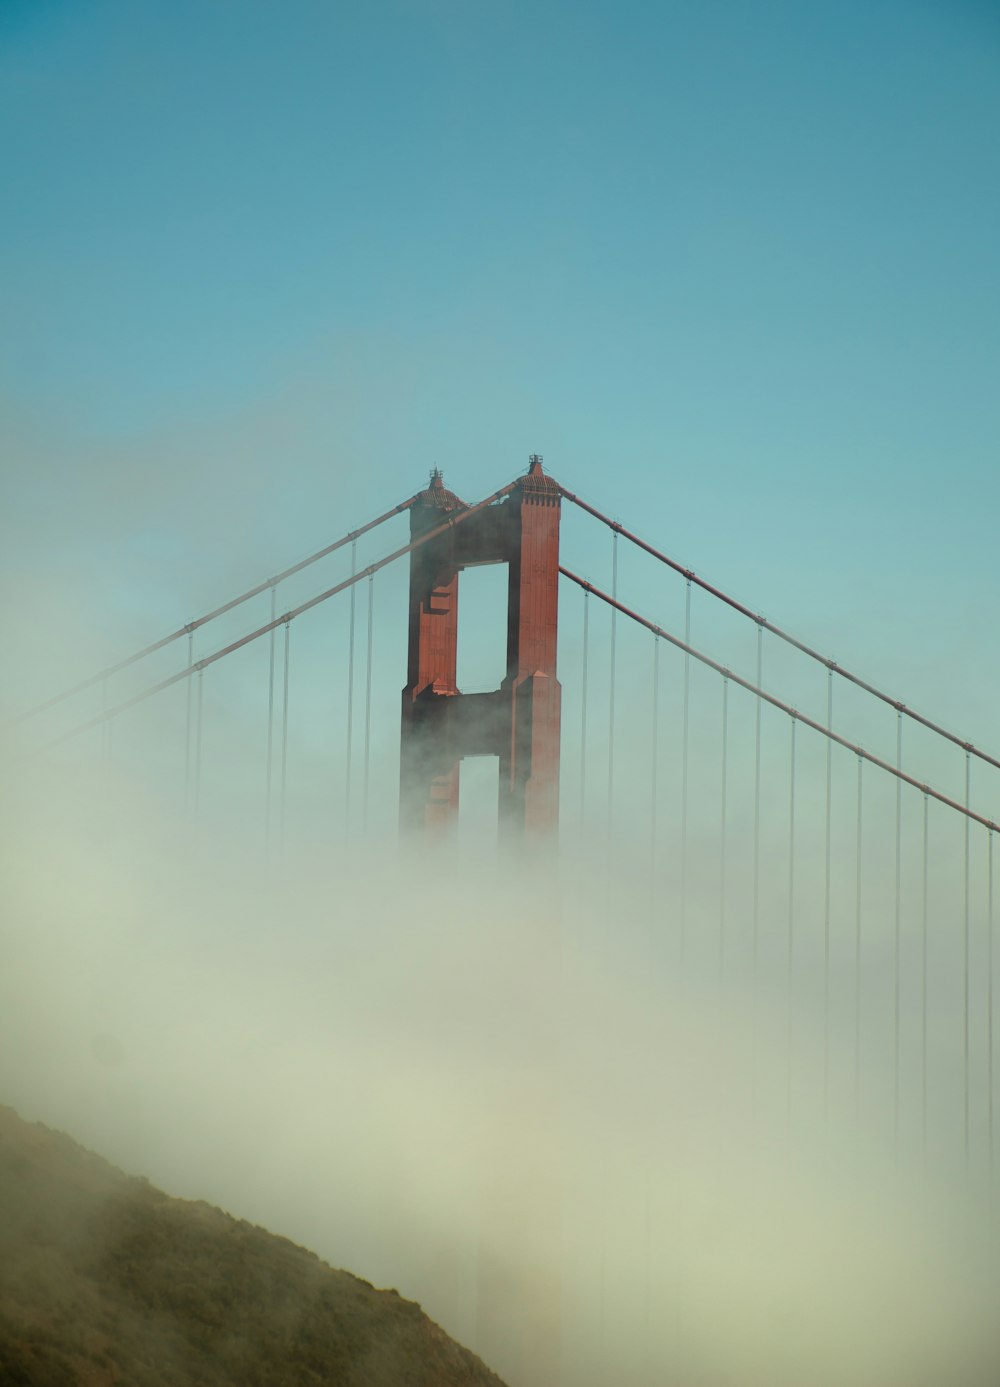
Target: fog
point(703, 1095)
point(486, 1081)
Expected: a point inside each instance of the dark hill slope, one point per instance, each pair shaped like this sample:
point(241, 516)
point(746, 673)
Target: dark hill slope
point(104, 1280)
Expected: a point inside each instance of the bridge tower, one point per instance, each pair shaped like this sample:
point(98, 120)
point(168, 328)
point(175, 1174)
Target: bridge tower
point(519, 722)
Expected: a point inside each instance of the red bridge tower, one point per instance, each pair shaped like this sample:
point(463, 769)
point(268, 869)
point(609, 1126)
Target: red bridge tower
point(519, 722)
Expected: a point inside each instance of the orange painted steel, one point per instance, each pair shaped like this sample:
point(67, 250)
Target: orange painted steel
point(428, 538)
point(520, 722)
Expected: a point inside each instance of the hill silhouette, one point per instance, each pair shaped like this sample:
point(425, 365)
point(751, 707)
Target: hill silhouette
point(105, 1280)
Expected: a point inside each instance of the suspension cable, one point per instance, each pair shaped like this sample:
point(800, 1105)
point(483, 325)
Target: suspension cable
point(457, 518)
point(218, 611)
point(654, 754)
point(966, 1010)
point(896, 929)
point(737, 606)
point(989, 994)
point(284, 735)
point(783, 707)
point(828, 826)
point(611, 688)
point(790, 959)
point(350, 692)
point(368, 700)
point(187, 726)
point(859, 861)
point(270, 726)
point(755, 917)
point(583, 716)
point(723, 843)
point(759, 708)
point(685, 740)
point(923, 982)
point(105, 730)
point(199, 717)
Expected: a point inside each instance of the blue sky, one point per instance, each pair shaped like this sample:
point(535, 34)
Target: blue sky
point(732, 268)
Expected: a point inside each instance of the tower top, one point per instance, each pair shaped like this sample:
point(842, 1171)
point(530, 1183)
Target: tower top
point(437, 494)
point(538, 484)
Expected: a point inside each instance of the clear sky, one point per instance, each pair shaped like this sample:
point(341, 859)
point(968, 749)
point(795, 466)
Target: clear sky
point(730, 266)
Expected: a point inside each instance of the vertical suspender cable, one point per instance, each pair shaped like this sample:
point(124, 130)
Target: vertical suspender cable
point(284, 735)
point(350, 690)
point(685, 731)
point(756, 806)
point(722, 827)
point(270, 724)
point(923, 981)
point(611, 785)
point(107, 728)
point(611, 692)
point(791, 914)
point(368, 700)
point(651, 972)
point(654, 755)
point(105, 757)
point(197, 739)
point(187, 728)
point(858, 865)
point(583, 713)
point(989, 994)
point(828, 826)
point(755, 919)
point(896, 931)
point(965, 1006)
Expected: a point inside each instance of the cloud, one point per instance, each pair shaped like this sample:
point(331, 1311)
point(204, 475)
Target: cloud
point(459, 1079)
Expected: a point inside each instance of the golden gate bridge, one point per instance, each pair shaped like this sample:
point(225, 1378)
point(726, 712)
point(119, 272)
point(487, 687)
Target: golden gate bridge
point(834, 867)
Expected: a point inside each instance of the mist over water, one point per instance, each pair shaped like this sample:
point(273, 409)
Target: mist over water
point(490, 1083)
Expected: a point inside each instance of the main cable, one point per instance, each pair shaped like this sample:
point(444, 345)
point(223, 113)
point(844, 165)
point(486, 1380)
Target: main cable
point(786, 636)
point(192, 626)
point(783, 707)
point(453, 520)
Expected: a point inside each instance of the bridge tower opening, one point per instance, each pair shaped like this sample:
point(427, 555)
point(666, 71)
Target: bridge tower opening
point(520, 721)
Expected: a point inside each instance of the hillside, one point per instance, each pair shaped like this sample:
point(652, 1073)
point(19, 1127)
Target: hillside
point(105, 1280)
